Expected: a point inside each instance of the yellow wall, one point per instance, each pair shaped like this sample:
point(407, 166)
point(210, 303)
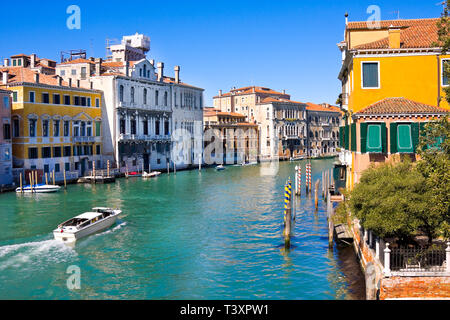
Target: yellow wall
point(22, 108)
point(412, 77)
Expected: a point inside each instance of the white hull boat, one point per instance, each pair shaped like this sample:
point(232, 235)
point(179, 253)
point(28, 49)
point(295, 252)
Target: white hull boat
point(220, 168)
point(153, 174)
point(86, 224)
point(40, 188)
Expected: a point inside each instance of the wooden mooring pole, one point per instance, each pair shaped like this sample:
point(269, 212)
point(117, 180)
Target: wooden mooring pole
point(287, 214)
point(21, 184)
point(316, 201)
point(65, 181)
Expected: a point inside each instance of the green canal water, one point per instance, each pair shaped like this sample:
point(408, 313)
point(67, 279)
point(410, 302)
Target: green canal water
point(209, 235)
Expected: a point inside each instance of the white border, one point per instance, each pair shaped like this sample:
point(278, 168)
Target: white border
point(362, 76)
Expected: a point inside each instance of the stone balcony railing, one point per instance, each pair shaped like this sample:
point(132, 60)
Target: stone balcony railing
point(134, 137)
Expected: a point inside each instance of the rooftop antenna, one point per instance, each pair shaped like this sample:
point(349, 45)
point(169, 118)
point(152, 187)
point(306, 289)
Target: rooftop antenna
point(441, 4)
point(397, 12)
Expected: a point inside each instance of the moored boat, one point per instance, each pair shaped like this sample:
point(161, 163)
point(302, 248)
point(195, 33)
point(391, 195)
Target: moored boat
point(86, 224)
point(151, 174)
point(220, 168)
point(133, 174)
point(38, 188)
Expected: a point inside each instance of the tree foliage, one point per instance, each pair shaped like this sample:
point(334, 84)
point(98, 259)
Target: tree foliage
point(398, 199)
point(444, 41)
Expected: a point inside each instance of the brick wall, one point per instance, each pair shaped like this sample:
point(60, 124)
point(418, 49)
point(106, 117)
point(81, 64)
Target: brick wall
point(415, 287)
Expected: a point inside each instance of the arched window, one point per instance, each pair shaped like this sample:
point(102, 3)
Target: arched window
point(121, 93)
point(132, 94)
point(145, 70)
point(145, 96)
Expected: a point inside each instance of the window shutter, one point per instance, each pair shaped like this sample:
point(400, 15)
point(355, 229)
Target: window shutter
point(353, 137)
point(346, 137)
point(363, 133)
point(383, 137)
point(393, 137)
point(415, 135)
point(341, 137)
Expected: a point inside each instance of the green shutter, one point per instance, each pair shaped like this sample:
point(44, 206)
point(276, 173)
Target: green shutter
point(363, 133)
point(383, 137)
point(393, 137)
point(415, 135)
point(374, 138)
point(98, 128)
point(404, 138)
point(341, 137)
point(353, 137)
point(346, 137)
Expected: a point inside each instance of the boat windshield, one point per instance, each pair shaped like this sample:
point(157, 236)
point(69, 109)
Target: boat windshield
point(75, 222)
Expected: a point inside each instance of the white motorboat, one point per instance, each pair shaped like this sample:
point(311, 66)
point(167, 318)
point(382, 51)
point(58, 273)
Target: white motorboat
point(220, 168)
point(151, 174)
point(39, 188)
point(86, 224)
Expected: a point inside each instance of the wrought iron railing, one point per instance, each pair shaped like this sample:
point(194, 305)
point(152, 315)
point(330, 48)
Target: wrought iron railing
point(418, 259)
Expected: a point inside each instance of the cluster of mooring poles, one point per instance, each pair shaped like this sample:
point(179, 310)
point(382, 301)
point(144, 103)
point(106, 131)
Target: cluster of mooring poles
point(327, 183)
point(33, 179)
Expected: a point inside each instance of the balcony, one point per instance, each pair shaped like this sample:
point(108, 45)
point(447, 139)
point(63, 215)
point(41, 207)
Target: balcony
point(134, 137)
point(83, 139)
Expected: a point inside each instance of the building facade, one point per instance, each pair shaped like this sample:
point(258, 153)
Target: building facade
point(142, 107)
point(55, 126)
point(229, 139)
point(323, 129)
point(396, 59)
point(6, 176)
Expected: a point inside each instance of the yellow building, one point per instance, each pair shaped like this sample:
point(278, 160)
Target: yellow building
point(55, 125)
point(386, 60)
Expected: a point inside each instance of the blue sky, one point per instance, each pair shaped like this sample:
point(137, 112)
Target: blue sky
point(219, 44)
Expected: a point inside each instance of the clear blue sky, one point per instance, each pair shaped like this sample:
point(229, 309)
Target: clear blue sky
point(219, 44)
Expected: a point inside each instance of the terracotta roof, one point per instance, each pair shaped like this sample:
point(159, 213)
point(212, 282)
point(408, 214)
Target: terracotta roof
point(113, 64)
point(214, 112)
point(415, 33)
point(253, 89)
point(316, 107)
point(76, 61)
point(400, 106)
point(20, 74)
point(278, 100)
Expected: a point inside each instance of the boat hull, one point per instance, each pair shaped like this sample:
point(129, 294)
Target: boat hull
point(91, 229)
point(39, 189)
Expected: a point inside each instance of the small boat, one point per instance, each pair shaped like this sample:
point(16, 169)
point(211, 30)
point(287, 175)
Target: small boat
point(86, 224)
point(133, 174)
point(153, 174)
point(39, 188)
point(220, 168)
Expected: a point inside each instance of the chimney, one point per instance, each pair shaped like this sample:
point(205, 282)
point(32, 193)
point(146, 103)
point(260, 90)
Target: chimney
point(346, 18)
point(6, 62)
point(220, 93)
point(33, 61)
point(98, 66)
point(160, 71)
point(394, 37)
point(5, 77)
point(36, 77)
point(284, 91)
point(177, 74)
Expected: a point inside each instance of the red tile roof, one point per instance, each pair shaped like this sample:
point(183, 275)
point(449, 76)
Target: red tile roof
point(278, 100)
point(414, 33)
point(253, 89)
point(400, 106)
point(316, 107)
point(76, 61)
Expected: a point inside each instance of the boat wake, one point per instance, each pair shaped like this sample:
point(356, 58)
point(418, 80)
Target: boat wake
point(32, 254)
point(119, 225)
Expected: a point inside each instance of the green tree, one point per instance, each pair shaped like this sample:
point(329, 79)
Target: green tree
point(434, 149)
point(444, 40)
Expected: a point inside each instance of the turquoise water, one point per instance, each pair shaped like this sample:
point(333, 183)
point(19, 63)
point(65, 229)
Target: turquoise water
point(209, 235)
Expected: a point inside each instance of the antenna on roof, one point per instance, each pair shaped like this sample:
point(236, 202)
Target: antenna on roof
point(397, 12)
point(441, 4)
